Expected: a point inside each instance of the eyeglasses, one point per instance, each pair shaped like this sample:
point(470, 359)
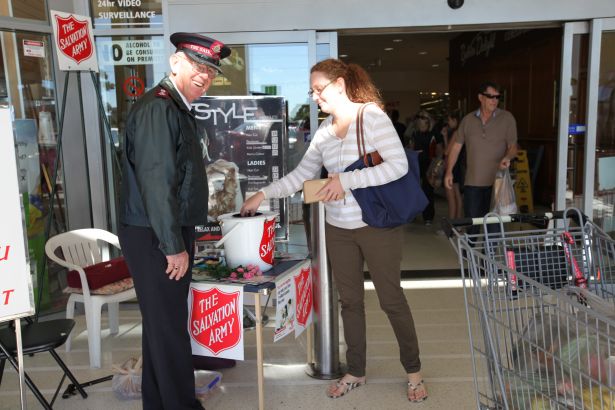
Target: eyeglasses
point(311, 92)
point(202, 68)
point(492, 96)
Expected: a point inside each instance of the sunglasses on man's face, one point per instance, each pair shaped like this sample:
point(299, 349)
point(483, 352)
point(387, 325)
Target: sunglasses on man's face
point(492, 96)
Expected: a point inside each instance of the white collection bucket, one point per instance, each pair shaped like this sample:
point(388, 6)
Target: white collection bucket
point(248, 239)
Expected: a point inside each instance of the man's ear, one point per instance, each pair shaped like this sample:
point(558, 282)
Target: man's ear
point(174, 62)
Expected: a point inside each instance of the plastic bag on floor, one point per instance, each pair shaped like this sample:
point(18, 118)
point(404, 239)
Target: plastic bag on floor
point(126, 383)
point(205, 383)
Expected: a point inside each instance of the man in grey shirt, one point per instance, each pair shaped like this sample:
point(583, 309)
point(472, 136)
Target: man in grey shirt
point(490, 137)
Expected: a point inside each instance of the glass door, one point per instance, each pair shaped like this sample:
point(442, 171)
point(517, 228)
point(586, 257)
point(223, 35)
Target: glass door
point(603, 98)
point(586, 150)
point(278, 63)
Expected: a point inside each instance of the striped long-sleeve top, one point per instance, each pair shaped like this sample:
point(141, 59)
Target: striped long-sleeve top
point(336, 154)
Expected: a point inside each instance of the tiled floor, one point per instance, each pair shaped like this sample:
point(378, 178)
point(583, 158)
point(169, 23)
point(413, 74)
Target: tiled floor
point(438, 310)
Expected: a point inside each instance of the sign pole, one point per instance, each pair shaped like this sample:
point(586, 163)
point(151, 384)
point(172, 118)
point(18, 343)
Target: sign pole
point(22, 387)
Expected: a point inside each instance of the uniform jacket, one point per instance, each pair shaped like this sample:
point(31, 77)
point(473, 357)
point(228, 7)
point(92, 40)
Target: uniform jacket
point(164, 185)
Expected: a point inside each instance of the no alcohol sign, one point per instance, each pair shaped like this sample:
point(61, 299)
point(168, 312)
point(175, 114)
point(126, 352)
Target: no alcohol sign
point(134, 86)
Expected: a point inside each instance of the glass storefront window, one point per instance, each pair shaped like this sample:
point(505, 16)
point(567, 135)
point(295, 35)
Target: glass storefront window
point(604, 189)
point(25, 9)
point(129, 66)
point(126, 13)
point(27, 86)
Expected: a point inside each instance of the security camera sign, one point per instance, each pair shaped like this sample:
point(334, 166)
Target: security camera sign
point(74, 42)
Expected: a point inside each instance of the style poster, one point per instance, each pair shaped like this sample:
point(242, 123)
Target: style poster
point(244, 143)
point(294, 305)
point(215, 320)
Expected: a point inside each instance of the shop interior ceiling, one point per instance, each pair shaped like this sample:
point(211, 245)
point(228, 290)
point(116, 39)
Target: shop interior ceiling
point(396, 52)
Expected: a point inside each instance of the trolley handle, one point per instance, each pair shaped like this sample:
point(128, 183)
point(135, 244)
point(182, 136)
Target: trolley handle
point(541, 221)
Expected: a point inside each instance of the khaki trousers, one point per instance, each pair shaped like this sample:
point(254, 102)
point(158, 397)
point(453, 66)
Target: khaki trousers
point(347, 249)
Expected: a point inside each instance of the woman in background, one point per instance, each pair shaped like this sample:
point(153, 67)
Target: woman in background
point(340, 89)
point(453, 195)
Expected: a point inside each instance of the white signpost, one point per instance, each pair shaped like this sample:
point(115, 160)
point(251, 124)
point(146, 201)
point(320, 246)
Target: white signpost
point(16, 295)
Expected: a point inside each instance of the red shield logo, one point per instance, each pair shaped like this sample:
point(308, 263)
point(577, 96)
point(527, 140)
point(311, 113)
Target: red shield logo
point(215, 322)
point(74, 38)
point(303, 292)
point(267, 242)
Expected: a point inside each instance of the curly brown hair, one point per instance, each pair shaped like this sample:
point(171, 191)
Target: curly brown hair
point(359, 86)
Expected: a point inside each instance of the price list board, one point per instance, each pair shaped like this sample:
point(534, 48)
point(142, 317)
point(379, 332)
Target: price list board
point(244, 141)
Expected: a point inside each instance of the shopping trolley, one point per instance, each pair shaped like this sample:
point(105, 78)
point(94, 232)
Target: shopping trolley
point(540, 306)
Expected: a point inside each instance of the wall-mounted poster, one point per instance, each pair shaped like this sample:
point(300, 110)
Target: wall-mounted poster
point(244, 148)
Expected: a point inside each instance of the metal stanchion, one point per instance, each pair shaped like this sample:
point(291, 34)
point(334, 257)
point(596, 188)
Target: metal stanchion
point(326, 359)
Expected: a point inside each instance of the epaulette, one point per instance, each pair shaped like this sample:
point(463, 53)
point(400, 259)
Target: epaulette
point(162, 93)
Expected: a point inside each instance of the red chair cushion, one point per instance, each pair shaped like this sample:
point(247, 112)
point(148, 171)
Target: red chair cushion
point(100, 274)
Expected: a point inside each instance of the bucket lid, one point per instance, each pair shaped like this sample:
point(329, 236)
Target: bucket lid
point(257, 216)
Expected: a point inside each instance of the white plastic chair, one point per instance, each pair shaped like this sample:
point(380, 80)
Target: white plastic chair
point(82, 248)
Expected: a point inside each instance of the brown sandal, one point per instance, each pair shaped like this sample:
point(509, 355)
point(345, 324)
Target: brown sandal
point(347, 387)
point(420, 386)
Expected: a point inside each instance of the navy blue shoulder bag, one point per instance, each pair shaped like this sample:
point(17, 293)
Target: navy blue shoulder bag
point(391, 204)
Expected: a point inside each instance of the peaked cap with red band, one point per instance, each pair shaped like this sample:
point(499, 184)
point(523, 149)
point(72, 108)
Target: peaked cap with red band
point(201, 49)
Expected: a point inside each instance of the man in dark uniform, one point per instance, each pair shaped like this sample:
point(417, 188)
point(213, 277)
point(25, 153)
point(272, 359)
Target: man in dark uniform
point(164, 195)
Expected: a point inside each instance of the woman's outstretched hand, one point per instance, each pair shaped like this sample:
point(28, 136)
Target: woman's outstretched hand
point(251, 204)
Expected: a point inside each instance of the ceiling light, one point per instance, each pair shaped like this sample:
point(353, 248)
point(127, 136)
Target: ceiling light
point(397, 40)
point(343, 55)
point(422, 53)
point(435, 65)
point(388, 49)
point(445, 93)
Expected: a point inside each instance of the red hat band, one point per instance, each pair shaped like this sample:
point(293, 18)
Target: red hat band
point(200, 49)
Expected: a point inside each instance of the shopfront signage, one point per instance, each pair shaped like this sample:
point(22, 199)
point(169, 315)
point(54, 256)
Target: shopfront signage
point(576, 129)
point(127, 13)
point(74, 42)
point(133, 86)
point(33, 48)
point(16, 295)
point(216, 320)
point(130, 52)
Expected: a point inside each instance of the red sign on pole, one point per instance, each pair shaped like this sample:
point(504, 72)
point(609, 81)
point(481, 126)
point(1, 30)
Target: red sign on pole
point(303, 293)
point(74, 38)
point(215, 319)
point(75, 43)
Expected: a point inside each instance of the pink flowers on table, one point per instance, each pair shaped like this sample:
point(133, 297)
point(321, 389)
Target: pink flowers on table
point(248, 272)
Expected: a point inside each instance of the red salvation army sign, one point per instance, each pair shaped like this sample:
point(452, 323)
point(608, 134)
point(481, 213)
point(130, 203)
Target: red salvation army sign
point(216, 324)
point(74, 42)
point(267, 242)
point(303, 294)
point(16, 296)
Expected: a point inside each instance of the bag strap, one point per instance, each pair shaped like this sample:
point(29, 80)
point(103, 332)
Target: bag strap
point(361, 135)
point(374, 156)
